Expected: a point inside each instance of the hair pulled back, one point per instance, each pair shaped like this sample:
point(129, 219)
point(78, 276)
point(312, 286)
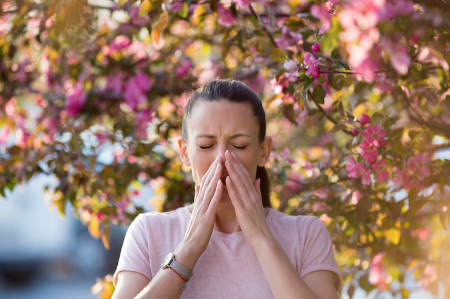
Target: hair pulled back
point(235, 92)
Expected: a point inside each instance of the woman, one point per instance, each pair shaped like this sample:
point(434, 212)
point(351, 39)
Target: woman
point(237, 246)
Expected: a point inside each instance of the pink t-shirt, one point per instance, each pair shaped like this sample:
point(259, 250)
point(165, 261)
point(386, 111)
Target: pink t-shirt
point(229, 266)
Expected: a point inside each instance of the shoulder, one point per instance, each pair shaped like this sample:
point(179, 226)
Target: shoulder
point(162, 219)
point(302, 222)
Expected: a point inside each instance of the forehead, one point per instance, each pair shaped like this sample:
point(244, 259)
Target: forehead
point(222, 117)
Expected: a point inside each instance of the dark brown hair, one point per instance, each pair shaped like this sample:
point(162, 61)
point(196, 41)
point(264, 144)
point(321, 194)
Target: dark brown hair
point(235, 92)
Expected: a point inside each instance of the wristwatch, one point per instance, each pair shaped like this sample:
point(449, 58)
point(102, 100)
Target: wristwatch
point(184, 272)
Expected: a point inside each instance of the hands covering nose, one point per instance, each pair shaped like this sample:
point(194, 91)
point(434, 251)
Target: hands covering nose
point(246, 198)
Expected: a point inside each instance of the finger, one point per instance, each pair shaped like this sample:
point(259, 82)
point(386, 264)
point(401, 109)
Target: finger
point(257, 185)
point(211, 188)
point(206, 177)
point(238, 206)
point(212, 209)
point(243, 171)
point(240, 187)
point(245, 176)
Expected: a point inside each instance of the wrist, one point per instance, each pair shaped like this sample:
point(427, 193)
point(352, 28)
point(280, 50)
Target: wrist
point(187, 255)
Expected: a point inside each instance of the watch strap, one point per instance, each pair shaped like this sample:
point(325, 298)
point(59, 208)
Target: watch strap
point(182, 270)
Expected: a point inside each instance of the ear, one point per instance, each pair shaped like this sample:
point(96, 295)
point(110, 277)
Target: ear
point(183, 152)
point(266, 149)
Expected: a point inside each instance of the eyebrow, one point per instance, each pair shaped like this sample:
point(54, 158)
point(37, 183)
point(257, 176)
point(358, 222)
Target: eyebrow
point(212, 136)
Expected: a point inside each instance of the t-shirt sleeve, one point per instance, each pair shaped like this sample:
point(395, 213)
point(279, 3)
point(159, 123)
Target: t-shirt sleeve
point(318, 252)
point(134, 255)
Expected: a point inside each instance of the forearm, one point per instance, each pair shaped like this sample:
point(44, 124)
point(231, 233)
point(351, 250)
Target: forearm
point(282, 276)
point(166, 283)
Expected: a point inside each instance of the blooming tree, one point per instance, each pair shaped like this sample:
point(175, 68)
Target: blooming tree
point(356, 94)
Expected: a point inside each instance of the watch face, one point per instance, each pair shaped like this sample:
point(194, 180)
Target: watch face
point(166, 261)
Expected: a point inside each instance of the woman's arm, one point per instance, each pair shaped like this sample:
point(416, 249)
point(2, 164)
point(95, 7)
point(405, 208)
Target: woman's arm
point(284, 280)
point(166, 283)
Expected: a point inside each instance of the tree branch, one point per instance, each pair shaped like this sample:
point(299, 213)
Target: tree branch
point(263, 26)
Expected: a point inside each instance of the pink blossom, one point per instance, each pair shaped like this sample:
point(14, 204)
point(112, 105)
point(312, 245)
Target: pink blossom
point(422, 233)
point(75, 98)
point(143, 118)
point(332, 4)
point(430, 276)
point(382, 173)
point(402, 178)
point(356, 196)
point(119, 43)
point(137, 49)
point(226, 17)
point(392, 9)
point(134, 15)
point(355, 132)
point(398, 56)
point(183, 68)
point(315, 47)
point(4, 133)
point(313, 65)
point(143, 82)
point(174, 6)
point(115, 83)
point(365, 119)
point(242, 2)
point(374, 134)
point(22, 137)
point(323, 15)
point(278, 86)
point(288, 38)
point(133, 94)
point(418, 164)
point(284, 156)
point(291, 67)
point(356, 170)
point(369, 152)
point(377, 275)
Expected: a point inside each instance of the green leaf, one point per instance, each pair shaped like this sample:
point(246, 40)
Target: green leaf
point(319, 94)
point(337, 128)
point(341, 109)
point(344, 64)
point(334, 53)
point(288, 112)
point(321, 79)
point(308, 82)
point(333, 82)
point(278, 55)
point(280, 72)
point(146, 6)
point(183, 12)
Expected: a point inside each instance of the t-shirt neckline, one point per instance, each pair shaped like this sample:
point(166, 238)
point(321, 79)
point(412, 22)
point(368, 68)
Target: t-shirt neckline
point(221, 235)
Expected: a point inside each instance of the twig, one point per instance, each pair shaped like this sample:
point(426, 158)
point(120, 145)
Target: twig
point(327, 115)
point(263, 26)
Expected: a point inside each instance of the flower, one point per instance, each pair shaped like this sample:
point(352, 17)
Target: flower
point(356, 170)
point(323, 15)
point(374, 134)
point(369, 152)
point(226, 17)
point(402, 178)
point(355, 132)
point(315, 47)
point(313, 65)
point(4, 133)
point(119, 43)
point(398, 56)
point(174, 6)
point(143, 82)
point(292, 71)
point(75, 98)
point(382, 173)
point(418, 164)
point(183, 68)
point(377, 275)
point(365, 119)
point(288, 38)
point(242, 2)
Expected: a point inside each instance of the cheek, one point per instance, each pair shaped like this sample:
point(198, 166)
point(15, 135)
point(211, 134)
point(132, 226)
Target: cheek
point(199, 166)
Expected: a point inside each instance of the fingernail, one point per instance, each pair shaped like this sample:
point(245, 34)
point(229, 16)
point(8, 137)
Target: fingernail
point(233, 154)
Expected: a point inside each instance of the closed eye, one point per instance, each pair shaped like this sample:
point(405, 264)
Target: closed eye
point(238, 147)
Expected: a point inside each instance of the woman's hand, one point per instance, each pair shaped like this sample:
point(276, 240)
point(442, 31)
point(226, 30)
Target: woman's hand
point(207, 198)
point(246, 198)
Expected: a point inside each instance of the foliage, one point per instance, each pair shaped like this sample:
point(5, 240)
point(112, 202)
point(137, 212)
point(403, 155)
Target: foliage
point(356, 90)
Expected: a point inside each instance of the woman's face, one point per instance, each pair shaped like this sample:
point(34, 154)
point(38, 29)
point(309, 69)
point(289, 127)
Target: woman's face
point(215, 127)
